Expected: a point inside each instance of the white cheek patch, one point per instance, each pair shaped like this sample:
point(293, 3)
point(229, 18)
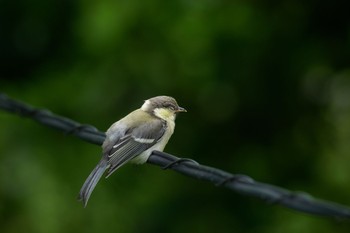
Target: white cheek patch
point(144, 140)
point(164, 114)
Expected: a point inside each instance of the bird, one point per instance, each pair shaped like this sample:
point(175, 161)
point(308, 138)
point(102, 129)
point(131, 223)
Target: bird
point(133, 138)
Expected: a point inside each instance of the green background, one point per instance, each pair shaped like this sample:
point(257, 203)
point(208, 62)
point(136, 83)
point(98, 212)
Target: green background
point(267, 89)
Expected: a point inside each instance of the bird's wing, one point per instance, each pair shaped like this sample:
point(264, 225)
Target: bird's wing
point(136, 141)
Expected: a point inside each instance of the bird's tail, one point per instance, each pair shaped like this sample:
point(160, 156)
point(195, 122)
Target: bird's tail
point(91, 181)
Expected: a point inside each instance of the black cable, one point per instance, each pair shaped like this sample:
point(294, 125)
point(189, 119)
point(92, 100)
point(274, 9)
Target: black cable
point(245, 185)
point(86, 132)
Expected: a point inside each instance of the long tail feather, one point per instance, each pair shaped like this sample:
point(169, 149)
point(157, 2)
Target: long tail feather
point(91, 181)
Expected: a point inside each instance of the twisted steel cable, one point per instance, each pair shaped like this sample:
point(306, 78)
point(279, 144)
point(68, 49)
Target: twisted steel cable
point(242, 184)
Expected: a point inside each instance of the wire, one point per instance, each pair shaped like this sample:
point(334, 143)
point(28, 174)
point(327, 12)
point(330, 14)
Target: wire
point(242, 184)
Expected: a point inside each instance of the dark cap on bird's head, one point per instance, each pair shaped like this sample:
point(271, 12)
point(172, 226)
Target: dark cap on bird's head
point(163, 101)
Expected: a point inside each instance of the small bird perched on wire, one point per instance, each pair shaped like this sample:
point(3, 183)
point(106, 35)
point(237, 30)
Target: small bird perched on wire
point(133, 138)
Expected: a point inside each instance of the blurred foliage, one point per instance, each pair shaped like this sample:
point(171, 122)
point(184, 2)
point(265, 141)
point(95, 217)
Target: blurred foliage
point(266, 85)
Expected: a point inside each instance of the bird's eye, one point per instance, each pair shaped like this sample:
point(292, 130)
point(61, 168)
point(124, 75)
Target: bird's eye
point(172, 108)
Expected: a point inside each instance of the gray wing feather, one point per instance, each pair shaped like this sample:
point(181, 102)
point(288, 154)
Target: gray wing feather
point(125, 154)
point(129, 146)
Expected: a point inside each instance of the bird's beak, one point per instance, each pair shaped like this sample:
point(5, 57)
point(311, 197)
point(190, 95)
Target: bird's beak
point(180, 109)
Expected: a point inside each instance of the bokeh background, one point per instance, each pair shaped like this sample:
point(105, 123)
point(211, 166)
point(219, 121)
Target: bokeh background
point(266, 85)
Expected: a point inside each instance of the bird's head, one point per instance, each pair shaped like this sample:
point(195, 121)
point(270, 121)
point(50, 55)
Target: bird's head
point(164, 107)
